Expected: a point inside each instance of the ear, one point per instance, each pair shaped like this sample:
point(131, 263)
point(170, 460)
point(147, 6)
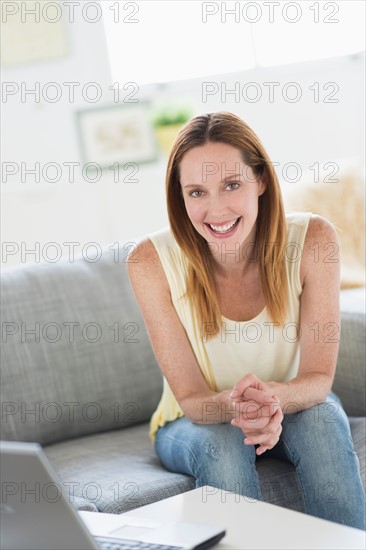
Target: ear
point(262, 185)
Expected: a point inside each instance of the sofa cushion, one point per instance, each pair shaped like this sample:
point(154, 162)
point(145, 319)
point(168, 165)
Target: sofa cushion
point(358, 429)
point(350, 378)
point(116, 471)
point(119, 471)
point(76, 357)
point(82, 504)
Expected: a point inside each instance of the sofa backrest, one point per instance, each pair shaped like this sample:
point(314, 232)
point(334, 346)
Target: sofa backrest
point(350, 379)
point(76, 358)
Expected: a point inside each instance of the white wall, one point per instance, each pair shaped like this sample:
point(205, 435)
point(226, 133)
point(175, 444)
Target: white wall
point(303, 132)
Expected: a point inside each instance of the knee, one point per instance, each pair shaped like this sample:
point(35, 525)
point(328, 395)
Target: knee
point(323, 426)
point(213, 443)
point(222, 460)
point(214, 454)
point(217, 441)
point(218, 447)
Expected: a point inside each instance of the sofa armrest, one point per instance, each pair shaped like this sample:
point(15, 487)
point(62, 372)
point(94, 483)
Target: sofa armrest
point(350, 379)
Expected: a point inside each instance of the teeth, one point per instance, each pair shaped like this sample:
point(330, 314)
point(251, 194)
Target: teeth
point(223, 228)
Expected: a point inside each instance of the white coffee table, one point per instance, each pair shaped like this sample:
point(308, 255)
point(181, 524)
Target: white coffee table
point(249, 524)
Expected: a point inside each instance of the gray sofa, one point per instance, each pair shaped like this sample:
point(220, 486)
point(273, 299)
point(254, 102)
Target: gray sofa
point(80, 377)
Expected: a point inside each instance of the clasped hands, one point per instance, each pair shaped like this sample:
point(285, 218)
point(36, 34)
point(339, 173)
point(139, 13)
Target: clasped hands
point(257, 413)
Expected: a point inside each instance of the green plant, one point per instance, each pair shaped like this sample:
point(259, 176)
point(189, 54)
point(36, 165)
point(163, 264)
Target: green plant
point(170, 115)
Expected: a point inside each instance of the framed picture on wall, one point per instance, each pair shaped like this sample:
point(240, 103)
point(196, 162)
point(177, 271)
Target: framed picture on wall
point(30, 40)
point(117, 133)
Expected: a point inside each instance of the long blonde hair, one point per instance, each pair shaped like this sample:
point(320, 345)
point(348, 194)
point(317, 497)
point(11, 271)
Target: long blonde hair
point(270, 239)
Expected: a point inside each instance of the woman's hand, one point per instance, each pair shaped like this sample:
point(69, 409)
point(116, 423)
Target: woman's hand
point(259, 414)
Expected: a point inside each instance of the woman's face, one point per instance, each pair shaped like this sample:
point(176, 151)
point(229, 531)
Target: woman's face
point(220, 194)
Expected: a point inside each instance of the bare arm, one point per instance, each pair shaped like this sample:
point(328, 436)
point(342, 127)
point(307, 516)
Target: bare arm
point(319, 341)
point(319, 322)
point(319, 319)
point(170, 343)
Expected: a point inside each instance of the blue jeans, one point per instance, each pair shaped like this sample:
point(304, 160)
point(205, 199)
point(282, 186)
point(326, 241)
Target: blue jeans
point(317, 441)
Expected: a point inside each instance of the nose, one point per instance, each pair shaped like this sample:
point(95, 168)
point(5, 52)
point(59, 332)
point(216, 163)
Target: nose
point(218, 209)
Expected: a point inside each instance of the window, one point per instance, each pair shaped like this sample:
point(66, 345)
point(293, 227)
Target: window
point(163, 41)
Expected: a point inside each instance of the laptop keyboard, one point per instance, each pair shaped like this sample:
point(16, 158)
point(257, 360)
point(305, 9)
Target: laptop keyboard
point(121, 544)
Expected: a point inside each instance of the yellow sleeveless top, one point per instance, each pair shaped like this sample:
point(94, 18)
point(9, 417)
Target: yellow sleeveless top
point(257, 346)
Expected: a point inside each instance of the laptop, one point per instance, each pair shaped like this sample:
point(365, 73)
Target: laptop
point(36, 513)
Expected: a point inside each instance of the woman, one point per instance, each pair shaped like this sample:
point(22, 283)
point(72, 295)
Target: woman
point(241, 303)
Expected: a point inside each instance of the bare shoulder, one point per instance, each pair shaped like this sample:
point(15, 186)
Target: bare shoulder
point(143, 254)
point(320, 229)
point(321, 245)
point(144, 266)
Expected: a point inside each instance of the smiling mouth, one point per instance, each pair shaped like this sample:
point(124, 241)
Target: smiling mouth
point(222, 229)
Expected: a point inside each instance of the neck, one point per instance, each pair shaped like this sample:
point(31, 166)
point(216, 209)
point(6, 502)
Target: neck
point(233, 265)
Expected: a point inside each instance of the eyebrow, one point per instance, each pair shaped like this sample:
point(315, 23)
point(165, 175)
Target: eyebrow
point(225, 179)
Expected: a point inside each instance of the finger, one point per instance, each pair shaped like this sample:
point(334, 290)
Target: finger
point(269, 439)
point(258, 395)
point(274, 423)
point(269, 445)
point(262, 449)
point(272, 411)
point(277, 402)
point(245, 382)
point(243, 407)
point(253, 410)
point(268, 433)
point(252, 428)
point(277, 417)
point(249, 411)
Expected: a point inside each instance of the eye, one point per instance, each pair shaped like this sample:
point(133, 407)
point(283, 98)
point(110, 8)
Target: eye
point(233, 185)
point(196, 193)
